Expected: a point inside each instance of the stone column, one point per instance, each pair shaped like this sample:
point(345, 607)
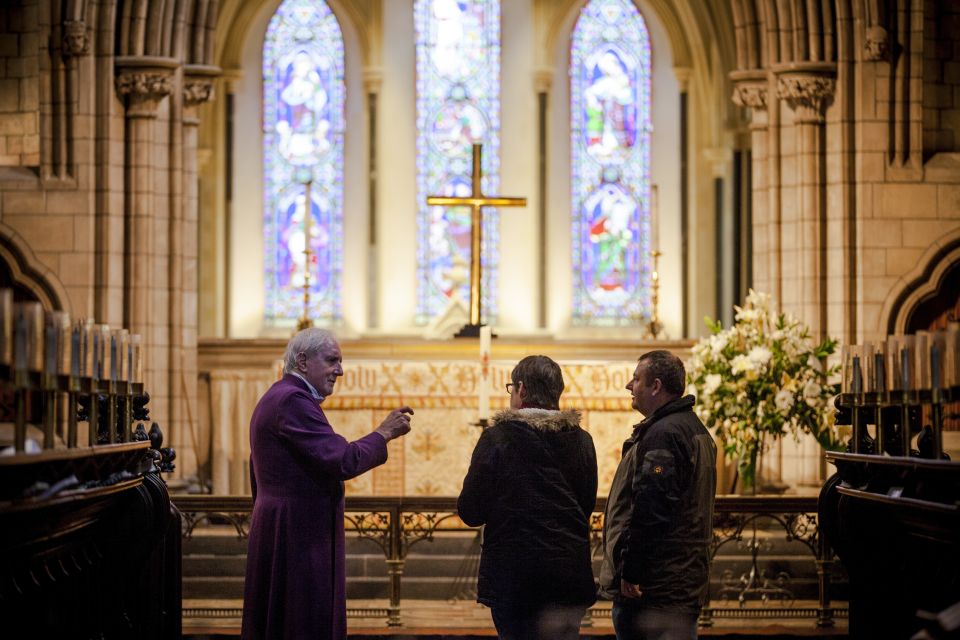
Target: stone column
point(197, 89)
point(76, 45)
point(143, 82)
point(808, 92)
point(543, 81)
point(372, 81)
point(750, 91)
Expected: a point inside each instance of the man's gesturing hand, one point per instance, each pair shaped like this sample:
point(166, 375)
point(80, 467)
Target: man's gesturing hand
point(396, 424)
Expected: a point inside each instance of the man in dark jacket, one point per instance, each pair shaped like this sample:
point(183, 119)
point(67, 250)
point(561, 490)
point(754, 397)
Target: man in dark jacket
point(533, 482)
point(659, 518)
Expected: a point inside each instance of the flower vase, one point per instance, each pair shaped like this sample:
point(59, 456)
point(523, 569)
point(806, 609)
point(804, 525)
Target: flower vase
point(747, 469)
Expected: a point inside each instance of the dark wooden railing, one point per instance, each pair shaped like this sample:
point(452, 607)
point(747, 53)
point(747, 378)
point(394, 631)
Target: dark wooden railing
point(396, 524)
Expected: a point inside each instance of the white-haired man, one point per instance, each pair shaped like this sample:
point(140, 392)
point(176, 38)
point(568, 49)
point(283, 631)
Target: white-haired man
point(295, 583)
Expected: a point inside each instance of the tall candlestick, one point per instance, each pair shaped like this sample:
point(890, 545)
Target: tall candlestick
point(6, 326)
point(76, 335)
point(85, 366)
point(935, 365)
point(305, 320)
point(893, 362)
point(29, 336)
point(905, 368)
point(136, 355)
point(101, 351)
point(64, 353)
point(922, 374)
point(50, 336)
point(878, 369)
point(951, 358)
point(866, 367)
point(654, 218)
point(857, 384)
point(119, 358)
point(483, 390)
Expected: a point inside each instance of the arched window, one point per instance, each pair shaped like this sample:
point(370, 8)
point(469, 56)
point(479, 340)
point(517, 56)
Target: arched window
point(458, 103)
point(303, 124)
point(610, 164)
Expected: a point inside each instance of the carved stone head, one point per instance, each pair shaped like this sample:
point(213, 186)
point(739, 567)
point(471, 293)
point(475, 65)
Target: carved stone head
point(75, 41)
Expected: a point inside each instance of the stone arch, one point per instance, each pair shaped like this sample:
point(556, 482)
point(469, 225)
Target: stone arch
point(28, 273)
point(921, 284)
point(235, 27)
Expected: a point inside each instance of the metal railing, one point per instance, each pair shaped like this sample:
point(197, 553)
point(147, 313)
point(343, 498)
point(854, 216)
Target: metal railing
point(397, 524)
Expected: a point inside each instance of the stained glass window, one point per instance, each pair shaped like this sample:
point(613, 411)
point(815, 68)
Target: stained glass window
point(458, 103)
point(610, 164)
point(303, 123)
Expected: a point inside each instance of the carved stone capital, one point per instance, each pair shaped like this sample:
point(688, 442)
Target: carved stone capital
point(876, 43)
point(750, 94)
point(143, 90)
point(76, 43)
point(543, 79)
point(807, 94)
point(372, 79)
point(196, 91)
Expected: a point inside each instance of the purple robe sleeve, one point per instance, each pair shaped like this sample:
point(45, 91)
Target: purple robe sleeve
point(304, 428)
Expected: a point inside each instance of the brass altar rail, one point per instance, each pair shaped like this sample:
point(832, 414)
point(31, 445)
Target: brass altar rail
point(396, 524)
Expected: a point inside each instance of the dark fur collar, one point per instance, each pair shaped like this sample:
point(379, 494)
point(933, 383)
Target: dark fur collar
point(541, 419)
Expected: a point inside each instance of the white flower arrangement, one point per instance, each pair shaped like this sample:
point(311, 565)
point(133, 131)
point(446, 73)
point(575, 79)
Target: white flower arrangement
point(763, 375)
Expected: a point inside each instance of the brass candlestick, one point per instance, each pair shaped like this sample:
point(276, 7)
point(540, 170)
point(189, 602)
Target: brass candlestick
point(305, 322)
point(654, 327)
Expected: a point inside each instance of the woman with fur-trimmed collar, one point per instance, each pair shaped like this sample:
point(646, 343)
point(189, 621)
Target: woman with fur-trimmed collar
point(533, 483)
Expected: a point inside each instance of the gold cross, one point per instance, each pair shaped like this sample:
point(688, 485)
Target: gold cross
point(475, 201)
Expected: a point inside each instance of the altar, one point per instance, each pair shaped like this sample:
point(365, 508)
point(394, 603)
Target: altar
point(438, 379)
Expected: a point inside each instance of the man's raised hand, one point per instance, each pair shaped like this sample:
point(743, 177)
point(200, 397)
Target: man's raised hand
point(396, 424)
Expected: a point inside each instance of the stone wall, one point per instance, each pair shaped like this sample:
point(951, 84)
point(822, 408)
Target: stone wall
point(98, 194)
point(855, 168)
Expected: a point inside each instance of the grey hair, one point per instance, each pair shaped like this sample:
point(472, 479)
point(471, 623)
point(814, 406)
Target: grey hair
point(310, 342)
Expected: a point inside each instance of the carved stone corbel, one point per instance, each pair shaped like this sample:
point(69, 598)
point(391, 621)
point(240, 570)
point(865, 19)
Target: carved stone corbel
point(876, 44)
point(750, 94)
point(196, 91)
point(76, 43)
point(808, 94)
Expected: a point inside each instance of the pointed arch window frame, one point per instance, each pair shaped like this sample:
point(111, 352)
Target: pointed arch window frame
point(305, 33)
point(607, 174)
point(444, 96)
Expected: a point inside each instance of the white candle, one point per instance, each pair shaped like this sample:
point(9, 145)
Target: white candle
point(307, 232)
point(483, 385)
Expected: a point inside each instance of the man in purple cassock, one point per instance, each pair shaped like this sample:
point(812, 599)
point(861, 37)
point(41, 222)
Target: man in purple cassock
point(296, 582)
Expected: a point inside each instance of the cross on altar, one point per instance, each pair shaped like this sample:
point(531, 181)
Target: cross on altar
point(475, 201)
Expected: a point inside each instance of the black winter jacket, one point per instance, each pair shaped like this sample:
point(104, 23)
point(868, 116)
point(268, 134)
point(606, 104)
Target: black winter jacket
point(533, 482)
point(659, 518)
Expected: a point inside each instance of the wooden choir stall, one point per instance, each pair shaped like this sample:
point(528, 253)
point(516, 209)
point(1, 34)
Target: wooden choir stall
point(89, 541)
point(892, 510)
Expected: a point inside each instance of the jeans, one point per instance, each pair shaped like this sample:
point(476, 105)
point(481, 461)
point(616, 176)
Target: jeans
point(634, 622)
point(548, 622)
